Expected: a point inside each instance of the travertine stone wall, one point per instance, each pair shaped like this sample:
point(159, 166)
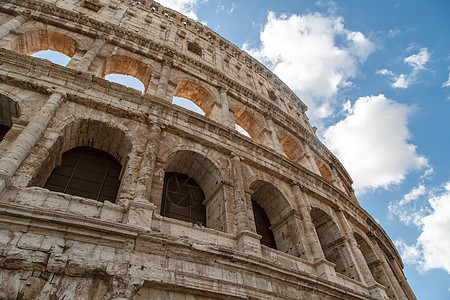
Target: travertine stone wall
point(55, 245)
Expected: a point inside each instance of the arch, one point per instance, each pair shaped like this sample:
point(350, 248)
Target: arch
point(206, 175)
point(9, 109)
point(125, 65)
point(91, 133)
point(324, 170)
point(333, 243)
point(196, 93)
point(275, 219)
point(86, 172)
point(293, 150)
point(374, 264)
point(251, 125)
point(37, 40)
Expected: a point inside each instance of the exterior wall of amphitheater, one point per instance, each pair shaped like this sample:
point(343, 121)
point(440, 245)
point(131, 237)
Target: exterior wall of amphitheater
point(55, 245)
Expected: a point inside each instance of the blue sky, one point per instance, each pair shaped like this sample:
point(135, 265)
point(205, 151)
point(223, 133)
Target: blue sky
point(375, 76)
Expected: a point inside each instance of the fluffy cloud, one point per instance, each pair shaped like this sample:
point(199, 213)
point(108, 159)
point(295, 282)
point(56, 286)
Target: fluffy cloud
point(432, 249)
point(373, 142)
point(416, 61)
point(315, 55)
point(186, 7)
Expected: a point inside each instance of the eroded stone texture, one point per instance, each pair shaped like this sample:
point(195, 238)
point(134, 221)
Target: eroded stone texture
point(55, 245)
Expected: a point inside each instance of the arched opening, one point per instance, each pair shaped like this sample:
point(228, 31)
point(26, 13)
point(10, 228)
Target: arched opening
point(39, 42)
point(374, 264)
point(183, 199)
point(250, 124)
point(324, 171)
point(86, 172)
point(89, 133)
point(128, 81)
point(293, 150)
point(9, 109)
point(274, 220)
point(125, 65)
point(333, 243)
point(192, 178)
point(262, 223)
point(188, 104)
point(196, 94)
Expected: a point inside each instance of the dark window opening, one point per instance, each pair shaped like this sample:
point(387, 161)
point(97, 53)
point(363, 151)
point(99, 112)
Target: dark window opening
point(194, 48)
point(183, 199)
point(86, 172)
point(263, 226)
point(3, 130)
point(93, 5)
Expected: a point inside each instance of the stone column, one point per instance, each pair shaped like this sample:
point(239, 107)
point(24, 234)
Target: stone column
point(360, 263)
point(161, 90)
point(140, 209)
point(362, 268)
point(247, 238)
point(86, 61)
point(395, 286)
point(406, 289)
point(315, 249)
point(274, 135)
point(21, 147)
point(11, 25)
point(311, 160)
point(336, 179)
point(324, 268)
point(227, 116)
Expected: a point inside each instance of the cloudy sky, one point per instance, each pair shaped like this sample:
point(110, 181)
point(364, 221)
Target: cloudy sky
point(376, 78)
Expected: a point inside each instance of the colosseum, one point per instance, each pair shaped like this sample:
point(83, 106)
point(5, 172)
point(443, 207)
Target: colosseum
point(108, 192)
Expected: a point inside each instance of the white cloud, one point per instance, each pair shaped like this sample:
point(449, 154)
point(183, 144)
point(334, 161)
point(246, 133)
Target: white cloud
point(401, 81)
point(186, 7)
point(416, 61)
point(447, 83)
point(432, 249)
point(434, 238)
point(413, 195)
point(373, 143)
point(409, 254)
point(315, 55)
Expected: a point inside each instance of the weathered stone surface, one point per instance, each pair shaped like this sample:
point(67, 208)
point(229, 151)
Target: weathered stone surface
point(63, 245)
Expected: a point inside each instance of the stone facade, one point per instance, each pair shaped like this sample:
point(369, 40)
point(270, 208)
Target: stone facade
point(56, 245)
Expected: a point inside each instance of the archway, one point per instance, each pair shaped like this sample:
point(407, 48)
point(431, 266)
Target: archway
point(35, 41)
point(274, 219)
point(195, 93)
point(125, 65)
point(190, 172)
point(247, 121)
point(333, 243)
point(324, 171)
point(374, 264)
point(293, 150)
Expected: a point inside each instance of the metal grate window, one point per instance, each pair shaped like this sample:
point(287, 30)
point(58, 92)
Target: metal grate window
point(183, 199)
point(263, 226)
point(88, 173)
